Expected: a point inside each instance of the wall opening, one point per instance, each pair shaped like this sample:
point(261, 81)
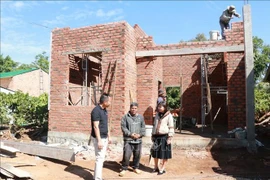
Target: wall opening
point(217, 79)
point(85, 79)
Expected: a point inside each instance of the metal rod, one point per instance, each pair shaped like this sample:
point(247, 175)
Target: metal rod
point(202, 93)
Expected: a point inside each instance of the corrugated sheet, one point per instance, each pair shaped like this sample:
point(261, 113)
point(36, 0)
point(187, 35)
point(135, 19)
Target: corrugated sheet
point(15, 73)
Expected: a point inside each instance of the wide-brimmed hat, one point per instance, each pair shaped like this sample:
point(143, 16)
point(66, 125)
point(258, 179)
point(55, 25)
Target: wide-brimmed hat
point(231, 8)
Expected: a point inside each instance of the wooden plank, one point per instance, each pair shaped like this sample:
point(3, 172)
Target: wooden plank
point(186, 51)
point(15, 171)
point(6, 151)
point(10, 149)
point(6, 173)
point(17, 164)
point(63, 154)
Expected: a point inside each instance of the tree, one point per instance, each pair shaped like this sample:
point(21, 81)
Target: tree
point(173, 97)
point(199, 37)
point(261, 57)
point(25, 66)
point(7, 64)
point(42, 61)
point(262, 99)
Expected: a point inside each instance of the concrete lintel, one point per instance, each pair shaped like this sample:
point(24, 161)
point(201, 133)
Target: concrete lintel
point(63, 154)
point(249, 64)
point(187, 51)
point(87, 51)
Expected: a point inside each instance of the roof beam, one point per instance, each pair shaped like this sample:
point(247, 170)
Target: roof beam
point(87, 51)
point(187, 51)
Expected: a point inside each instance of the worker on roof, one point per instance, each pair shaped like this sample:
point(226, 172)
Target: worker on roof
point(225, 18)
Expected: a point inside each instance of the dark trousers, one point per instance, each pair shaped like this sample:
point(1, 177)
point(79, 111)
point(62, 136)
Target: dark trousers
point(223, 26)
point(130, 149)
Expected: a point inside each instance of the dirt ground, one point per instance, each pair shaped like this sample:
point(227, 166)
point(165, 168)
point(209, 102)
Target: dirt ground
point(186, 164)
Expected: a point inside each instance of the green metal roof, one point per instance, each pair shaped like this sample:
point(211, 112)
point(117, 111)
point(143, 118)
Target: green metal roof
point(15, 73)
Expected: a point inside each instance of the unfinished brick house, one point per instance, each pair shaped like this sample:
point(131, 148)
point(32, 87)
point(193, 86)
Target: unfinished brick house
point(124, 61)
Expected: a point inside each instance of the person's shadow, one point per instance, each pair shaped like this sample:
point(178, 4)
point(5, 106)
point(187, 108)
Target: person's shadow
point(116, 166)
point(84, 173)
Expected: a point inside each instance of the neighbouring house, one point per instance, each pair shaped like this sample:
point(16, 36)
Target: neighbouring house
point(33, 81)
point(125, 62)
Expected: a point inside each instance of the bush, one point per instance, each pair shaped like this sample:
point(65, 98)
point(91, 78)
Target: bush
point(23, 109)
point(262, 99)
point(173, 97)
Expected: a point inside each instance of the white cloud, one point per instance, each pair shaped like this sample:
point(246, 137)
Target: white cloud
point(23, 48)
point(8, 23)
point(101, 13)
point(64, 8)
point(20, 45)
point(18, 4)
point(53, 2)
point(119, 18)
point(62, 19)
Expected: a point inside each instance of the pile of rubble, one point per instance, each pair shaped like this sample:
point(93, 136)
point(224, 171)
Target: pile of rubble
point(240, 133)
point(263, 125)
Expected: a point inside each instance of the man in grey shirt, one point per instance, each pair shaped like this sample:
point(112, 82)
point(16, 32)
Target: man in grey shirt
point(225, 18)
point(133, 128)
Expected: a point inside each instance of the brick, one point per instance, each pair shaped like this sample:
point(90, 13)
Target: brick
point(141, 76)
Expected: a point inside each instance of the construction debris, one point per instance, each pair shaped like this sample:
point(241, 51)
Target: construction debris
point(12, 172)
point(232, 133)
point(7, 151)
point(240, 133)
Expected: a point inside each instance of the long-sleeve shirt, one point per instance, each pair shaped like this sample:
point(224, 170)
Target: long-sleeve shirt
point(164, 124)
point(226, 16)
point(133, 124)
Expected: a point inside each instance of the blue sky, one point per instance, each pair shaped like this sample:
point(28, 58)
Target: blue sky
point(26, 25)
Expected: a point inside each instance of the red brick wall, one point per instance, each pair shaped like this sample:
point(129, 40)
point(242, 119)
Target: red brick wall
point(147, 81)
point(139, 77)
point(236, 90)
point(138, 31)
point(130, 66)
point(191, 75)
point(65, 118)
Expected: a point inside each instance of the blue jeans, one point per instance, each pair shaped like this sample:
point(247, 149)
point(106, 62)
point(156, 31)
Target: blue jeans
point(223, 26)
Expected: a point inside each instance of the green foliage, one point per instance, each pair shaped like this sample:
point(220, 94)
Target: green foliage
point(42, 62)
point(25, 66)
point(262, 98)
point(7, 64)
point(199, 37)
point(261, 58)
point(173, 97)
point(23, 109)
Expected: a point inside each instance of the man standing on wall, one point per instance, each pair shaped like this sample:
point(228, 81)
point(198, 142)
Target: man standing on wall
point(100, 133)
point(133, 128)
point(225, 18)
